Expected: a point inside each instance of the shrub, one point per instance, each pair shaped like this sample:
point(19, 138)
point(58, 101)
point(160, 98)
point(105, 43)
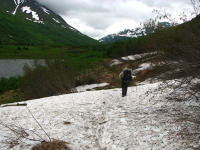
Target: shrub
point(8, 83)
point(53, 145)
point(48, 78)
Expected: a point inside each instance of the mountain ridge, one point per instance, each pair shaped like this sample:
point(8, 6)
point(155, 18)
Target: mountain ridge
point(31, 8)
point(130, 33)
point(32, 11)
point(123, 35)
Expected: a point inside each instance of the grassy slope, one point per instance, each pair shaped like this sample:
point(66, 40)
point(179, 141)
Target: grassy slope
point(16, 30)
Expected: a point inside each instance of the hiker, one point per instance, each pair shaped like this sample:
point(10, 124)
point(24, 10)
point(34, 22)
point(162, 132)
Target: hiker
point(126, 77)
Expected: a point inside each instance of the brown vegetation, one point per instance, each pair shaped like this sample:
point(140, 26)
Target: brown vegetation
point(12, 96)
point(53, 145)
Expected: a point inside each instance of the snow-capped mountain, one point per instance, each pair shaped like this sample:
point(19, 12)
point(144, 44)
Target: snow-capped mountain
point(123, 35)
point(39, 24)
point(34, 11)
point(130, 33)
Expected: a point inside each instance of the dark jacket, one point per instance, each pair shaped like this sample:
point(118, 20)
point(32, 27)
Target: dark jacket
point(121, 75)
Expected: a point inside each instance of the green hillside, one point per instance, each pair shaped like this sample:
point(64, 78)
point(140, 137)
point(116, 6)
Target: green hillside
point(175, 39)
point(14, 30)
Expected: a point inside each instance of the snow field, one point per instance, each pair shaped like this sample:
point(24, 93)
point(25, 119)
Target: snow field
point(104, 120)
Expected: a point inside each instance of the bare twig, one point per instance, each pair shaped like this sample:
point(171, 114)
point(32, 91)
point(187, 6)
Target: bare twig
point(39, 124)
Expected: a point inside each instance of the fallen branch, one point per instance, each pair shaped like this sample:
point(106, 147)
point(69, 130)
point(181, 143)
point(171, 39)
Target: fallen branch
point(18, 104)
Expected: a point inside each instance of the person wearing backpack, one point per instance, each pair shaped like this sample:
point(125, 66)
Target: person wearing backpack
point(126, 77)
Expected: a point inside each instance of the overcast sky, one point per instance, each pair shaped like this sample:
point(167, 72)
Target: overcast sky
point(98, 18)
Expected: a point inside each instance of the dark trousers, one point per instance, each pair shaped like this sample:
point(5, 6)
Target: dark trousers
point(124, 88)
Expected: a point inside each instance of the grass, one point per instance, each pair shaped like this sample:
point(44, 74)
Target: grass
point(8, 84)
point(29, 52)
point(9, 91)
point(41, 52)
point(11, 96)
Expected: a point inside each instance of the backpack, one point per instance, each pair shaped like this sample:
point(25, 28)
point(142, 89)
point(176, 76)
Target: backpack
point(127, 75)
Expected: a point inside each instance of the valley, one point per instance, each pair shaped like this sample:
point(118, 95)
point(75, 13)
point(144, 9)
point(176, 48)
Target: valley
point(71, 83)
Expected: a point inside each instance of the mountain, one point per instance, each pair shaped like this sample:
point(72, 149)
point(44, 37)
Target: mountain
point(33, 11)
point(28, 18)
point(123, 35)
point(131, 33)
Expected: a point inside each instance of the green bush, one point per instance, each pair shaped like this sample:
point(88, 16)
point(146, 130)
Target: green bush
point(7, 84)
point(48, 78)
point(56, 77)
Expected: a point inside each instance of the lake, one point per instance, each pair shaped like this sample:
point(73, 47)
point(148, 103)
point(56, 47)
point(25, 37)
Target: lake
point(13, 67)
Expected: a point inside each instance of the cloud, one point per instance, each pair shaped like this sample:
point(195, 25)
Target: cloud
point(97, 18)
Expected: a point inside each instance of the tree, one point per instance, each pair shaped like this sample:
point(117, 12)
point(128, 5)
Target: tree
point(155, 24)
point(189, 13)
point(179, 49)
point(195, 11)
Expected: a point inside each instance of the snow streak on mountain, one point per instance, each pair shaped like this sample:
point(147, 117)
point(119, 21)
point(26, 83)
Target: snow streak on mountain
point(18, 2)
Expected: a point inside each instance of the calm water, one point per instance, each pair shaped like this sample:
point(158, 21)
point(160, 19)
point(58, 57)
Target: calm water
point(13, 67)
